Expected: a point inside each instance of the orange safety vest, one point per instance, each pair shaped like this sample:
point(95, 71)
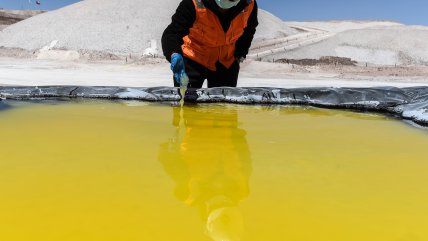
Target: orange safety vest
point(207, 42)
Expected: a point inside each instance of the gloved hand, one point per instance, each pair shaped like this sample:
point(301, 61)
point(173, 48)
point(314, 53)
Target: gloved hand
point(177, 66)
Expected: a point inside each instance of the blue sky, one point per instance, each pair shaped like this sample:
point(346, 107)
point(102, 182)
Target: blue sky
point(404, 11)
point(26, 4)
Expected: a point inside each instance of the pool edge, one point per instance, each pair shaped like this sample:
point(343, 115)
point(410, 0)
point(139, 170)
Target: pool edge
point(409, 103)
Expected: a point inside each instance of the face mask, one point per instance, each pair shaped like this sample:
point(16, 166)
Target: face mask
point(226, 4)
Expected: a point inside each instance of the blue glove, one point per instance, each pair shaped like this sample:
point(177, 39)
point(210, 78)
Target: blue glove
point(177, 66)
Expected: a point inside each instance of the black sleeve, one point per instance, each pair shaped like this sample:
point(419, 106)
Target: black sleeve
point(244, 42)
point(182, 21)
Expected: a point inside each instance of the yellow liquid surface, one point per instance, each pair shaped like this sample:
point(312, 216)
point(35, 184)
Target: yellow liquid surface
point(101, 171)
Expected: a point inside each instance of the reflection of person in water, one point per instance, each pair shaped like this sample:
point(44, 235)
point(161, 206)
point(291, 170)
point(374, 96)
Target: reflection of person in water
point(209, 160)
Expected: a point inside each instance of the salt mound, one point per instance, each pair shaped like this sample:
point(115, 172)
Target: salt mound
point(8, 17)
point(402, 45)
point(119, 27)
point(114, 26)
point(271, 27)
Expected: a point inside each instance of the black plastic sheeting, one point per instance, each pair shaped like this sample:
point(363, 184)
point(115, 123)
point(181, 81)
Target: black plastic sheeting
point(408, 103)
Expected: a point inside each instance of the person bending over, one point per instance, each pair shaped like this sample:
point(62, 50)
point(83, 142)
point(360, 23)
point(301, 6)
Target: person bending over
point(208, 39)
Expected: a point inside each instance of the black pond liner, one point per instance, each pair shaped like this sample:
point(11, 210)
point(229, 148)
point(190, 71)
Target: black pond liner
point(407, 103)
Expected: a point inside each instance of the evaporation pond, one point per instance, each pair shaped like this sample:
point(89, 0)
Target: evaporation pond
point(128, 171)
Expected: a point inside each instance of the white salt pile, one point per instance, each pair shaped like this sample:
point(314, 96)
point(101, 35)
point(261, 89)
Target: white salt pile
point(135, 27)
point(114, 26)
point(8, 17)
point(401, 45)
point(119, 27)
point(271, 26)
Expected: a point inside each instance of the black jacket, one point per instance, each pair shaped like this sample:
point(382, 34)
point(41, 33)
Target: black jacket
point(185, 16)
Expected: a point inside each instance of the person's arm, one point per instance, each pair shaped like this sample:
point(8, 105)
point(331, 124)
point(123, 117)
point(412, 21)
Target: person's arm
point(244, 42)
point(182, 21)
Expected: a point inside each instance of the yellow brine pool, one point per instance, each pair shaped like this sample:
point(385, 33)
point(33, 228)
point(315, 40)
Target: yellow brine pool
point(128, 171)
